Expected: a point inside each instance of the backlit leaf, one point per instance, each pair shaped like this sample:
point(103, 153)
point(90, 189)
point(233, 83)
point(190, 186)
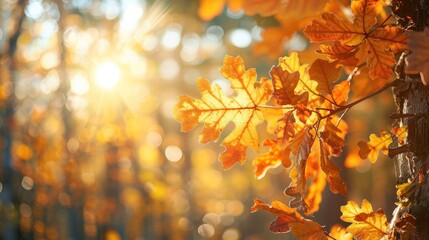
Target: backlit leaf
point(368, 42)
point(339, 52)
point(300, 147)
point(284, 87)
point(216, 110)
point(366, 224)
point(371, 149)
point(305, 84)
point(308, 230)
point(329, 136)
point(325, 73)
point(336, 184)
point(288, 219)
point(339, 232)
point(340, 93)
point(270, 159)
point(285, 215)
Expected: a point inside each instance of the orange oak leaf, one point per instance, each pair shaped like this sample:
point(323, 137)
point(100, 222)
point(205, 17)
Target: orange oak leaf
point(270, 159)
point(340, 93)
point(313, 196)
point(285, 215)
point(417, 62)
point(336, 184)
point(216, 110)
point(300, 147)
point(379, 43)
point(288, 219)
point(330, 138)
point(366, 224)
point(209, 9)
point(308, 230)
point(339, 52)
point(325, 74)
point(284, 84)
point(371, 149)
point(339, 232)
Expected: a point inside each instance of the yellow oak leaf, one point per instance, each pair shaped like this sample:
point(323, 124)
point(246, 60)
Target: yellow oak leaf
point(339, 232)
point(371, 149)
point(366, 224)
point(305, 84)
point(216, 110)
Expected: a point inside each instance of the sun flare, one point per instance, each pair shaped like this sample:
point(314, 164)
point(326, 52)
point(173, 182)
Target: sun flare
point(107, 75)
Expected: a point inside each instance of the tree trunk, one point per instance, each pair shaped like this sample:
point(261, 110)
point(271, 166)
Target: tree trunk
point(413, 105)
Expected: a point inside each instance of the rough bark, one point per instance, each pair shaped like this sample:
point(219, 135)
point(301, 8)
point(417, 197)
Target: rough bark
point(413, 105)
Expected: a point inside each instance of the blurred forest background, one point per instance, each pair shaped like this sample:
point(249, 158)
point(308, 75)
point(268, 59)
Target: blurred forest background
point(89, 148)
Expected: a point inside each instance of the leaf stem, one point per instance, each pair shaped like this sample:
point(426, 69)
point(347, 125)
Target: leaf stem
point(350, 105)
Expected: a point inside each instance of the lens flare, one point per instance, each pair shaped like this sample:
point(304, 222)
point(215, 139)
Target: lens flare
point(107, 75)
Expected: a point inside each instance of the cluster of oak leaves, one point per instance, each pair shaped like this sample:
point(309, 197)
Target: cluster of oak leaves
point(302, 104)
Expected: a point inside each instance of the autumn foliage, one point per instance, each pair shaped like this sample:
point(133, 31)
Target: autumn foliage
point(306, 103)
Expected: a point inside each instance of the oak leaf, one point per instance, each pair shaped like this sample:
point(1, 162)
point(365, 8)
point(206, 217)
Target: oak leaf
point(288, 219)
point(339, 232)
point(371, 149)
point(325, 73)
point(216, 110)
point(285, 215)
point(336, 184)
point(284, 84)
point(379, 43)
point(313, 196)
point(366, 224)
point(340, 53)
point(270, 159)
point(300, 147)
point(340, 93)
point(305, 84)
point(329, 136)
point(417, 62)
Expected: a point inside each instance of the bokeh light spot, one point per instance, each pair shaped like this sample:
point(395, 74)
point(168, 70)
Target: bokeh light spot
point(173, 153)
point(240, 37)
point(206, 230)
point(27, 183)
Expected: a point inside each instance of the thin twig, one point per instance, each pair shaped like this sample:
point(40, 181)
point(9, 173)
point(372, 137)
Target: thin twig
point(344, 107)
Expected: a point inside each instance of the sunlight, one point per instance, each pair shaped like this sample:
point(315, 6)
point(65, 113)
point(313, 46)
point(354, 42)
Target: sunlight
point(107, 75)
